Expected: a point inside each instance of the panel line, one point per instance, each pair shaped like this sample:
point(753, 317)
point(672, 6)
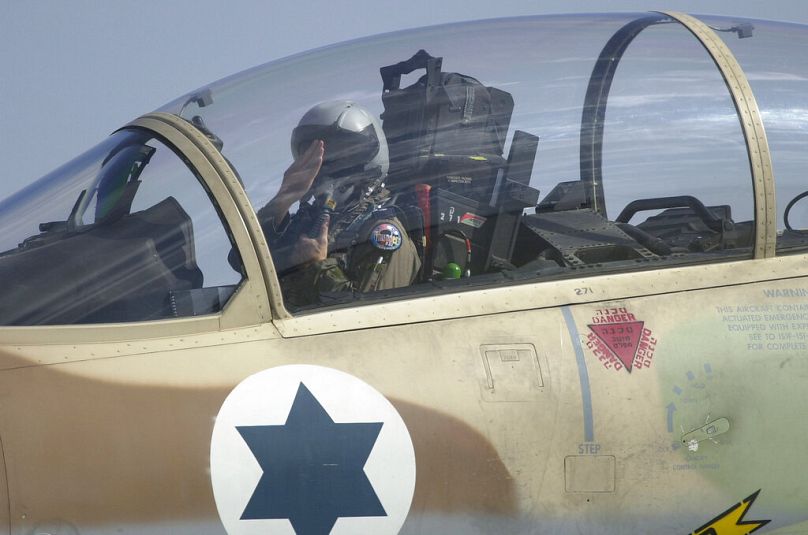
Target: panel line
point(583, 375)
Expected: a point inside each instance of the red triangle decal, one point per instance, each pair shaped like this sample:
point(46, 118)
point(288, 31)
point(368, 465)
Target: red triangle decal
point(622, 339)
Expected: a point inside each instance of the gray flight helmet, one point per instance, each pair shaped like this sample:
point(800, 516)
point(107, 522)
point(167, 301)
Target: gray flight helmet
point(353, 137)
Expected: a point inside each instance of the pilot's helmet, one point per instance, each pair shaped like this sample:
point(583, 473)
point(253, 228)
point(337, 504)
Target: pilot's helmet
point(354, 141)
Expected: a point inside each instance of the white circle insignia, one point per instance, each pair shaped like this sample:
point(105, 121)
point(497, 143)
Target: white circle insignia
point(308, 449)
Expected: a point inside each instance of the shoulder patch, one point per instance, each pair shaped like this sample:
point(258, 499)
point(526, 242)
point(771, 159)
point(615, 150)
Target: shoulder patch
point(386, 236)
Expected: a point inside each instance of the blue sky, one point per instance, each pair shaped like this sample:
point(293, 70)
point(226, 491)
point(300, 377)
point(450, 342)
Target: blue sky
point(73, 72)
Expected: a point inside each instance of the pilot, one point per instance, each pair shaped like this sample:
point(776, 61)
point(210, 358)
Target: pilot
point(345, 235)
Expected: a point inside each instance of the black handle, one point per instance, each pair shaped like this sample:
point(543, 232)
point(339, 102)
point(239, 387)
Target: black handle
point(391, 74)
point(681, 201)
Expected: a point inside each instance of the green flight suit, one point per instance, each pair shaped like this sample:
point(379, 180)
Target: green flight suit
point(361, 268)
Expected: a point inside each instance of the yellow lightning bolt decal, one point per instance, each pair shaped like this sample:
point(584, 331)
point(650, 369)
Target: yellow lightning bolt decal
point(731, 521)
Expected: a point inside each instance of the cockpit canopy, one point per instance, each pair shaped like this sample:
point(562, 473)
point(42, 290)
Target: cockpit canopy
point(520, 149)
point(669, 116)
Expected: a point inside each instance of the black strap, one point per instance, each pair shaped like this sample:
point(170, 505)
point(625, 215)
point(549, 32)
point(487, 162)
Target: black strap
point(391, 74)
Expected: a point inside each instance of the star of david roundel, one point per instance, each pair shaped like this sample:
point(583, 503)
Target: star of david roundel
point(309, 450)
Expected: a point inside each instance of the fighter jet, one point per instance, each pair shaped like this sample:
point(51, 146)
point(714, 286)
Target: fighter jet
point(525, 275)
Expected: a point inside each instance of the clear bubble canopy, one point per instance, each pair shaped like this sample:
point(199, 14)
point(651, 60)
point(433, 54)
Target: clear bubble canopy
point(637, 128)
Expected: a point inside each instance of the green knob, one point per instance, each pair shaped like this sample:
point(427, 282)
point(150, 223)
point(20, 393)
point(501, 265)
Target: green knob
point(452, 271)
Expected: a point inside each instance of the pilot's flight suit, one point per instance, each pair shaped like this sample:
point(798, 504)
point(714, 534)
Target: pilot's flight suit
point(355, 262)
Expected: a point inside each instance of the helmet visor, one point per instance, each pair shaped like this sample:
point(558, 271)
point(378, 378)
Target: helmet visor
point(344, 149)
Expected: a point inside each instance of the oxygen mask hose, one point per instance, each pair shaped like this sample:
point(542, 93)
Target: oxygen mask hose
point(327, 205)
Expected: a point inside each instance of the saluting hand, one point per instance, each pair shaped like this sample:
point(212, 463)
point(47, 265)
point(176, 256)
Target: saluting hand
point(298, 178)
point(297, 181)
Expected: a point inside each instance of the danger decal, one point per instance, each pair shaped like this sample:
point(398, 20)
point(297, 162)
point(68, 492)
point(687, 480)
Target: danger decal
point(620, 341)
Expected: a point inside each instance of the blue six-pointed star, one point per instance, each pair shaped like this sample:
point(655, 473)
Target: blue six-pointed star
point(313, 468)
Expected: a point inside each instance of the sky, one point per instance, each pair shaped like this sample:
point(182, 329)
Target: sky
point(73, 72)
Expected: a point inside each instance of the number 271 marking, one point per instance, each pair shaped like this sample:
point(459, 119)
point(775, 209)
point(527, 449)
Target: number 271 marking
point(584, 291)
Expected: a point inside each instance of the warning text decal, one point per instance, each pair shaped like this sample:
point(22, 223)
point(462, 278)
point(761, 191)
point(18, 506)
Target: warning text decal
point(620, 341)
